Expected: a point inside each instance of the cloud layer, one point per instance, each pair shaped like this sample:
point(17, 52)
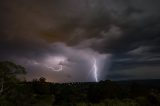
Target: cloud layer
point(122, 35)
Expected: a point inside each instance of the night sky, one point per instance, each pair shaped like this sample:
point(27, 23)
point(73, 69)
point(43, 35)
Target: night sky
point(67, 40)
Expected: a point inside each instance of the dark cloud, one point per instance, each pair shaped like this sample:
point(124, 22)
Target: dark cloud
point(127, 31)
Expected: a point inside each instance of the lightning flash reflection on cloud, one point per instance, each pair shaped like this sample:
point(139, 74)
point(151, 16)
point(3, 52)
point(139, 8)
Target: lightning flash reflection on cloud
point(53, 63)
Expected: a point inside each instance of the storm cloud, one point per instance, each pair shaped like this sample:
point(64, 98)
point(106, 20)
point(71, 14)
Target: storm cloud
point(122, 35)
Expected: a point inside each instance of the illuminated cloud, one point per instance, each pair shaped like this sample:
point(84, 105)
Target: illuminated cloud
point(58, 39)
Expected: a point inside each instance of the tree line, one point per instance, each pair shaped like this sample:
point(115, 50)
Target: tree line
point(38, 92)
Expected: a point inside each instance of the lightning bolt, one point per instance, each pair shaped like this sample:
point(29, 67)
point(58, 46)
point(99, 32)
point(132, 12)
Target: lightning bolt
point(95, 69)
point(49, 67)
point(54, 69)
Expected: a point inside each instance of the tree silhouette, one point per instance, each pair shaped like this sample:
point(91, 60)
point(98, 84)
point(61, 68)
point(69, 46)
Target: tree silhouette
point(8, 72)
point(42, 80)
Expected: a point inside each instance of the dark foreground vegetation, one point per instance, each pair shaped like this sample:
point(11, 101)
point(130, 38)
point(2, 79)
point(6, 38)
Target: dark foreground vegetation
point(38, 92)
